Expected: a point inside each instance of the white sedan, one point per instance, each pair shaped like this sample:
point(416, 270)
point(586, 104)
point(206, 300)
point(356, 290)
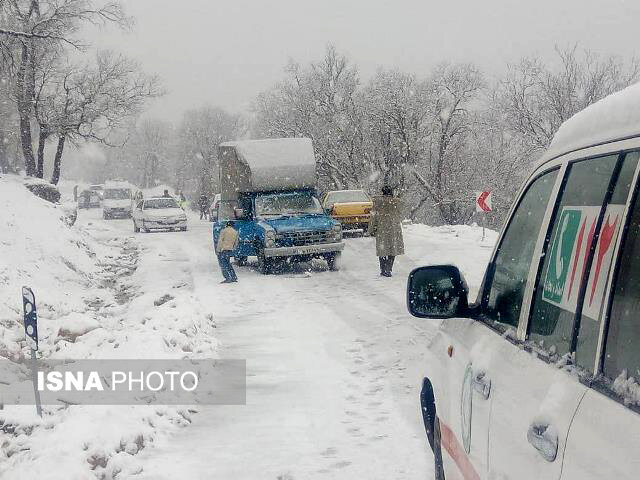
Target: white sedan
point(158, 213)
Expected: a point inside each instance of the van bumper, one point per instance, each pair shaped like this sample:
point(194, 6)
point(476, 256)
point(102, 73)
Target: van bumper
point(304, 250)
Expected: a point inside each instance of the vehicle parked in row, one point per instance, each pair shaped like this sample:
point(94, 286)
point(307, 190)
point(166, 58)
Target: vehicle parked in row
point(158, 213)
point(213, 209)
point(88, 199)
point(99, 189)
point(540, 377)
point(352, 208)
point(268, 192)
point(116, 200)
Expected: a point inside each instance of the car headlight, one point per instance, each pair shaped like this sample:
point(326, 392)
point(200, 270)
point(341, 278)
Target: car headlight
point(182, 218)
point(337, 232)
point(270, 239)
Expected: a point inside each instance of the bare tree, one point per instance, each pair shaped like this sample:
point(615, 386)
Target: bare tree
point(442, 172)
point(147, 157)
point(321, 102)
point(94, 102)
point(537, 98)
point(8, 127)
point(30, 26)
point(153, 143)
point(396, 109)
point(199, 135)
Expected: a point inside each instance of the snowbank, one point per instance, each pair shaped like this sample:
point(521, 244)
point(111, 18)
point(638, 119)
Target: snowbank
point(39, 251)
point(95, 300)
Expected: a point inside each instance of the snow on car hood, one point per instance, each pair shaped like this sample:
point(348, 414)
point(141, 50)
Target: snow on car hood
point(300, 222)
point(163, 212)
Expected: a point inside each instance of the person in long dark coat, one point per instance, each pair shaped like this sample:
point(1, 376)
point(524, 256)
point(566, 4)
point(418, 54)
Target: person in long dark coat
point(204, 206)
point(386, 225)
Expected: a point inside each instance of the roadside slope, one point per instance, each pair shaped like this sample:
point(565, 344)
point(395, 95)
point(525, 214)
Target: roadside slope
point(98, 295)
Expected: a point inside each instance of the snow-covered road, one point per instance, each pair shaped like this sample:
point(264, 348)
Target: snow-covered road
point(334, 360)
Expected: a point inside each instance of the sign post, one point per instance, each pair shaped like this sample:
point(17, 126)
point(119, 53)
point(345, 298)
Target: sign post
point(483, 205)
point(31, 336)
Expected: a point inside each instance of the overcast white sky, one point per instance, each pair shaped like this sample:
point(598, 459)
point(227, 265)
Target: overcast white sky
point(225, 52)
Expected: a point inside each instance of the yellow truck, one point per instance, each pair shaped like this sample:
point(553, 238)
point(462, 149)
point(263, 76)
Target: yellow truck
point(352, 208)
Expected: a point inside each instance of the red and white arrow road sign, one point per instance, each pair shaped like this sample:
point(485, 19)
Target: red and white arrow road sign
point(483, 202)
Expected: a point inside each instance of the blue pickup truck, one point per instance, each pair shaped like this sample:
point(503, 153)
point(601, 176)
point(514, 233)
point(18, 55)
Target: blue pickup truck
point(268, 192)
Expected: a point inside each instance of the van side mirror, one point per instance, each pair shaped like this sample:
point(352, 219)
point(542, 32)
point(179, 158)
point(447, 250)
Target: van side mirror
point(437, 292)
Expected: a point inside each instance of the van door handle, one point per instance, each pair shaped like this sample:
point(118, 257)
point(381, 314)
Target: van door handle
point(482, 384)
point(544, 438)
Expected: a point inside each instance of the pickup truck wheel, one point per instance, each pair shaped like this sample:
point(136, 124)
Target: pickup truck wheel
point(264, 264)
point(332, 261)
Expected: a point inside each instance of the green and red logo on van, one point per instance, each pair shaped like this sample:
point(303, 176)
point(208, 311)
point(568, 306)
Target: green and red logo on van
point(570, 246)
point(562, 252)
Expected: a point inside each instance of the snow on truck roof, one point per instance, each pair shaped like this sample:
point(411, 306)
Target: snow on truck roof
point(274, 163)
point(615, 117)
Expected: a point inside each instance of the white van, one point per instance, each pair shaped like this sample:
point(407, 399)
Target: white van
point(540, 378)
point(116, 200)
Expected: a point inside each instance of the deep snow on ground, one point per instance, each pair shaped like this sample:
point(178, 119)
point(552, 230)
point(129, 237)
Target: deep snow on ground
point(95, 299)
point(334, 360)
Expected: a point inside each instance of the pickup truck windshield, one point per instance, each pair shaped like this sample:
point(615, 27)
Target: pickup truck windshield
point(279, 204)
point(117, 194)
point(161, 203)
point(347, 196)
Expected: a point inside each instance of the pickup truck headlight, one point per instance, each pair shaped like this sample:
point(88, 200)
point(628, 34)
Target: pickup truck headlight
point(337, 232)
point(270, 239)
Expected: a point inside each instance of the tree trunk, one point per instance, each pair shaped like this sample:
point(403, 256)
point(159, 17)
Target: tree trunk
point(42, 140)
point(55, 177)
point(25, 91)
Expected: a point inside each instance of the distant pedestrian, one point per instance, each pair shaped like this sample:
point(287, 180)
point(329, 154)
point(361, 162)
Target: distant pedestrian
point(204, 207)
point(227, 243)
point(385, 225)
point(166, 194)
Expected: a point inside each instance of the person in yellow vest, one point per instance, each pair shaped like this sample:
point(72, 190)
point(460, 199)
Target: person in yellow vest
point(182, 201)
point(227, 243)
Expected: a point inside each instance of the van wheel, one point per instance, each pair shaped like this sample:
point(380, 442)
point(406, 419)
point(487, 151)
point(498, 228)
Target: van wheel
point(265, 265)
point(332, 261)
